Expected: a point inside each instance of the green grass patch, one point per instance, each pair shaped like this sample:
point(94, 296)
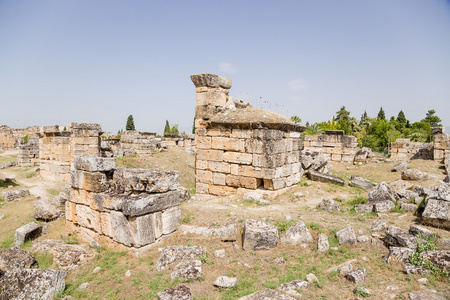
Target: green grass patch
point(283, 225)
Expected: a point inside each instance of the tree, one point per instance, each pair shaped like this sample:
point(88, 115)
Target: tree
point(296, 119)
point(193, 127)
point(167, 127)
point(401, 117)
point(130, 123)
point(432, 119)
point(381, 115)
point(342, 115)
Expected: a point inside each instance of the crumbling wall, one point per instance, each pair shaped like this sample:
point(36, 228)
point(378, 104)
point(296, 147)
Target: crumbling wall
point(132, 208)
point(11, 137)
point(404, 149)
point(238, 147)
point(441, 144)
point(186, 141)
point(334, 145)
point(28, 155)
point(138, 143)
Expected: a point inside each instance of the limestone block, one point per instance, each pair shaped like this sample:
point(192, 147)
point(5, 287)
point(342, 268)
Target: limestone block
point(170, 220)
point(218, 178)
point(259, 235)
point(158, 224)
point(203, 142)
point(294, 134)
point(221, 167)
point(88, 218)
point(250, 171)
point(241, 133)
point(225, 143)
point(138, 231)
point(219, 190)
point(90, 181)
point(210, 155)
point(293, 179)
point(201, 164)
point(26, 232)
point(292, 157)
point(275, 184)
point(204, 176)
point(219, 132)
point(201, 188)
point(254, 146)
point(140, 180)
point(238, 158)
point(210, 80)
point(268, 134)
point(71, 212)
point(91, 199)
point(94, 164)
point(336, 157)
point(105, 224)
point(148, 203)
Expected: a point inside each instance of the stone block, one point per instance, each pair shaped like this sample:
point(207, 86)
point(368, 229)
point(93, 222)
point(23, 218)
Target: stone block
point(258, 235)
point(90, 181)
point(105, 224)
point(201, 188)
point(250, 171)
point(238, 158)
point(134, 231)
point(204, 176)
point(88, 218)
point(218, 178)
point(210, 155)
point(27, 232)
point(170, 220)
point(219, 190)
point(203, 142)
point(149, 203)
point(241, 133)
point(221, 167)
point(201, 164)
point(94, 164)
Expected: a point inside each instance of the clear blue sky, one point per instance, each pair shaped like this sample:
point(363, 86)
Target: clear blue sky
point(100, 61)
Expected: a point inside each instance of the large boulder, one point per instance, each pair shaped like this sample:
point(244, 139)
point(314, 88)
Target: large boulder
point(398, 254)
point(346, 236)
point(398, 237)
point(46, 211)
point(401, 166)
point(258, 235)
point(16, 194)
point(437, 213)
point(27, 232)
point(358, 181)
point(383, 206)
point(318, 176)
point(329, 205)
point(11, 259)
point(180, 292)
point(443, 191)
point(382, 192)
point(378, 225)
point(171, 255)
point(31, 284)
point(415, 174)
point(297, 234)
point(357, 275)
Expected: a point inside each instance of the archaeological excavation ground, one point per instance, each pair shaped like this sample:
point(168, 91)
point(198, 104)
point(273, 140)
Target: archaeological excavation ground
point(251, 206)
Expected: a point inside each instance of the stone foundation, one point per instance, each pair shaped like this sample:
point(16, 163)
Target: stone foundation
point(186, 141)
point(334, 145)
point(11, 138)
point(404, 149)
point(28, 153)
point(138, 143)
point(130, 208)
point(441, 144)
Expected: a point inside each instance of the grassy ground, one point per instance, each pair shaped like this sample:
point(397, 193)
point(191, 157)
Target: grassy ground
point(255, 270)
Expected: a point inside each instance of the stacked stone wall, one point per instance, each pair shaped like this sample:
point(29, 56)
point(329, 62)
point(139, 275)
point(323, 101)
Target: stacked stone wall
point(441, 144)
point(138, 143)
point(186, 141)
point(28, 153)
point(131, 208)
point(11, 138)
point(404, 149)
point(334, 146)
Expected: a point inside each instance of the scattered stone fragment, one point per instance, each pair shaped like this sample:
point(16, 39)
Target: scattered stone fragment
point(311, 278)
point(171, 255)
point(279, 261)
point(383, 206)
point(323, 244)
point(378, 225)
point(420, 230)
point(364, 208)
point(188, 270)
point(439, 258)
point(180, 292)
point(329, 205)
point(94, 244)
point(224, 233)
point(11, 259)
point(398, 237)
point(31, 284)
point(27, 232)
point(128, 273)
point(343, 268)
point(219, 253)
point(253, 196)
point(84, 286)
point(224, 281)
point(415, 174)
point(382, 192)
point(358, 181)
point(318, 176)
point(8, 164)
point(401, 166)
point(346, 236)
point(266, 295)
point(16, 194)
point(398, 254)
point(407, 195)
point(400, 185)
point(298, 195)
point(96, 270)
point(412, 269)
point(46, 245)
point(363, 239)
point(297, 234)
point(69, 257)
point(362, 154)
point(409, 207)
point(423, 281)
point(437, 213)
point(46, 211)
point(259, 235)
point(376, 242)
point(357, 275)
point(427, 295)
point(294, 285)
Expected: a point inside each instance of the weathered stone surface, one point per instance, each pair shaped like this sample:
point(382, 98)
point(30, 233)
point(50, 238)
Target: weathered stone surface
point(16, 194)
point(343, 268)
point(90, 181)
point(357, 275)
point(180, 292)
point(297, 234)
point(188, 270)
point(224, 281)
point(259, 236)
point(407, 195)
point(133, 231)
point(401, 166)
point(358, 181)
point(415, 174)
point(46, 211)
point(210, 80)
point(311, 278)
point(266, 295)
point(399, 254)
point(443, 244)
point(70, 257)
point(329, 205)
point(363, 239)
point(94, 164)
point(26, 232)
point(8, 164)
point(219, 253)
point(46, 245)
point(409, 207)
point(439, 258)
point(252, 196)
point(294, 285)
point(427, 295)
point(364, 208)
point(31, 284)
point(398, 237)
point(437, 213)
point(400, 184)
point(383, 206)
point(323, 244)
point(382, 192)
point(144, 180)
point(447, 179)
point(171, 255)
point(362, 154)
point(170, 219)
point(318, 176)
point(224, 233)
point(378, 225)
point(11, 259)
point(443, 191)
point(346, 236)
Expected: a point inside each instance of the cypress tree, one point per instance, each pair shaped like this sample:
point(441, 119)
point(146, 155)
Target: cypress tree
point(401, 117)
point(167, 127)
point(130, 123)
point(381, 115)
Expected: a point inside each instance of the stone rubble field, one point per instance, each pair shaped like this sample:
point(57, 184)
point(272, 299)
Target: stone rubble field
point(377, 229)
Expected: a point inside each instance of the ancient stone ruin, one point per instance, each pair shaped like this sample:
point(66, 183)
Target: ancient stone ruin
point(335, 146)
point(186, 141)
point(11, 138)
point(138, 143)
point(239, 147)
point(441, 144)
point(131, 208)
point(28, 155)
point(404, 149)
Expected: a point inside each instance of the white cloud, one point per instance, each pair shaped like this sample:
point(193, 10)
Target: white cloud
point(296, 85)
point(226, 67)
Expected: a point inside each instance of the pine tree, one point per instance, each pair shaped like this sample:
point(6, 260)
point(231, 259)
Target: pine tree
point(364, 116)
point(432, 119)
point(401, 117)
point(342, 115)
point(167, 127)
point(130, 123)
point(381, 115)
